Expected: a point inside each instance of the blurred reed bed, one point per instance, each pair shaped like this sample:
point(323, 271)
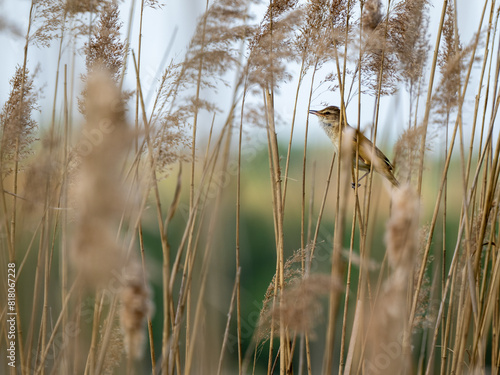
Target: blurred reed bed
point(135, 239)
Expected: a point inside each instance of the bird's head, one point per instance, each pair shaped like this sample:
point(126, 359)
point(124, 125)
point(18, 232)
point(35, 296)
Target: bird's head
point(328, 116)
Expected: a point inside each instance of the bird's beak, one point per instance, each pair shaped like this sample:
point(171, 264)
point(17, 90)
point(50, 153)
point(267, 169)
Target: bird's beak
point(313, 112)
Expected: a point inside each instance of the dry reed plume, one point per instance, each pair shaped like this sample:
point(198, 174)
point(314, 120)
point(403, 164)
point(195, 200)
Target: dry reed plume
point(386, 350)
point(99, 191)
point(18, 127)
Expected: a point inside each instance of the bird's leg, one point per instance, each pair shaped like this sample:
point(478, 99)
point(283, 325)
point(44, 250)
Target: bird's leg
point(353, 178)
point(359, 179)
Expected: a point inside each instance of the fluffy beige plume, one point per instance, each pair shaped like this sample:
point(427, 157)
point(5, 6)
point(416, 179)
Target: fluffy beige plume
point(388, 319)
point(99, 195)
point(136, 307)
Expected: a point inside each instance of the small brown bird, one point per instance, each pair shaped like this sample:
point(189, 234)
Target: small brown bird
point(369, 155)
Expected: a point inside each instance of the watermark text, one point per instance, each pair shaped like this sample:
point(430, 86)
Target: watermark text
point(11, 314)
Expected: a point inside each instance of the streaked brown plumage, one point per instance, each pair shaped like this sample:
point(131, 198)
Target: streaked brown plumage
point(369, 155)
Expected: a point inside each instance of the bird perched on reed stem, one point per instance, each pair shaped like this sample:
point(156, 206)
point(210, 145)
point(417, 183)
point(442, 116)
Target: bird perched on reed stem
point(369, 155)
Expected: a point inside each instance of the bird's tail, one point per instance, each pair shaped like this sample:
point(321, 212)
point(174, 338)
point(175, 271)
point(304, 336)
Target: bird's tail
point(383, 166)
point(390, 176)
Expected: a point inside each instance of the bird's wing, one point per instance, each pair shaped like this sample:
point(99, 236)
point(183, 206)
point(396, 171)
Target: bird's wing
point(366, 148)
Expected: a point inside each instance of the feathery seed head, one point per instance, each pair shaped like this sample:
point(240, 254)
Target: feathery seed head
point(372, 15)
point(136, 308)
point(402, 228)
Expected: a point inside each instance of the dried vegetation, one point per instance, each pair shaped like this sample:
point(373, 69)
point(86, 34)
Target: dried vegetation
point(81, 195)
